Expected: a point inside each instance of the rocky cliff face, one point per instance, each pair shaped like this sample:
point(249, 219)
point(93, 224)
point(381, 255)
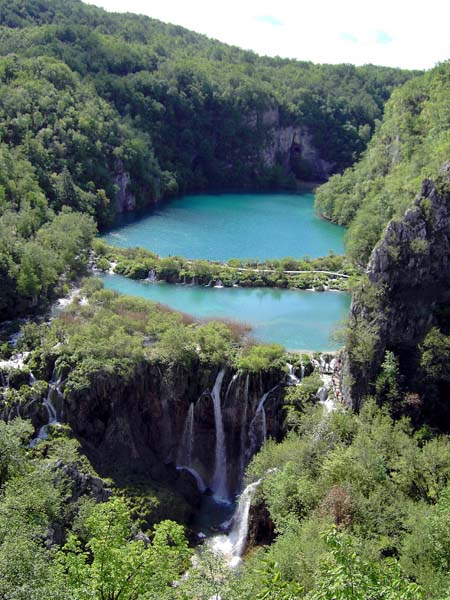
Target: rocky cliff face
point(289, 145)
point(293, 148)
point(125, 200)
point(408, 277)
point(158, 420)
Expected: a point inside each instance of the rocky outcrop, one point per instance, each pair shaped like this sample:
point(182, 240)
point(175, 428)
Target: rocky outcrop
point(292, 146)
point(408, 276)
point(82, 483)
point(125, 200)
point(157, 420)
point(261, 530)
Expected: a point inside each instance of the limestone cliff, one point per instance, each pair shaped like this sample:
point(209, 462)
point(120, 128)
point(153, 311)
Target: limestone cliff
point(291, 145)
point(408, 277)
point(158, 420)
point(125, 199)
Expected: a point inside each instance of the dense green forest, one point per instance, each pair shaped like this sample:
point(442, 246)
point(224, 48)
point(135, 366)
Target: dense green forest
point(410, 143)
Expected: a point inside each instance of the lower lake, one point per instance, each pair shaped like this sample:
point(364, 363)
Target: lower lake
point(297, 319)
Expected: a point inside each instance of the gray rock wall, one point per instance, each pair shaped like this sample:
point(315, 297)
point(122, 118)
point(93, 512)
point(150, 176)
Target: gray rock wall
point(410, 268)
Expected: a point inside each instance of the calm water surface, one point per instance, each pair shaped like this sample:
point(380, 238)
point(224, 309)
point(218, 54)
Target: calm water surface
point(299, 320)
point(224, 226)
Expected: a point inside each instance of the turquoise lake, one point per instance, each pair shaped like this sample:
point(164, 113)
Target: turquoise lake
point(224, 226)
point(299, 320)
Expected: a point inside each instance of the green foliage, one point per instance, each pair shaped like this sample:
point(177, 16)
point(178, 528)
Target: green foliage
point(12, 454)
point(116, 566)
point(426, 548)
point(387, 383)
point(345, 576)
point(383, 489)
point(298, 397)
point(274, 586)
point(435, 353)
point(332, 271)
point(411, 142)
point(262, 358)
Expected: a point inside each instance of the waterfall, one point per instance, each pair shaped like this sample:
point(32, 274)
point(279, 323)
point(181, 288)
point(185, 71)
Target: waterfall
point(186, 449)
point(232, 546)
point(15, 363)
point(201, 485)
point(292, 377)
point(54, 389)
point(219, 480)
point(230, 385)
point(187, 439)
point(258, 426)
point(151, 277)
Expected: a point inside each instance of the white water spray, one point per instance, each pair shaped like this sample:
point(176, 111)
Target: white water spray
point(258, 426)
point(292, 377)
point(232, 546)
point(54, 389)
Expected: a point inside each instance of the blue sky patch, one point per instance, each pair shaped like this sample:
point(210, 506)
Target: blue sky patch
point(383, 37)
point(349, 37)
point(269, 20)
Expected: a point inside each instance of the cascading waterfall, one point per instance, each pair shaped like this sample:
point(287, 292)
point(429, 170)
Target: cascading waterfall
point(258, 426)
point(292, 377)
point(186, 449)
point(201, 485)
point(54, 389)
point(151, 276)
point(230, 385)
point(219, 480)
point(15, 363)
point(232, 546)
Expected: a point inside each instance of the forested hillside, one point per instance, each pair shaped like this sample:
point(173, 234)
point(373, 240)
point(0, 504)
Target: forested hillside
point(412, 142)
point(395, 202)
point(194, 95)
point(101, 113)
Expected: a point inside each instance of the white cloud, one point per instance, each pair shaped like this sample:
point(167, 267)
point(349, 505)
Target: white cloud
point(397, 33)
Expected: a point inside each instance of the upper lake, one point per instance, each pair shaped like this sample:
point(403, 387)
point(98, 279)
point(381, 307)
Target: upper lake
point(224, 226)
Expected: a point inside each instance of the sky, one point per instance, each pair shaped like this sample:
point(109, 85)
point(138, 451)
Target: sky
point(398, 33)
